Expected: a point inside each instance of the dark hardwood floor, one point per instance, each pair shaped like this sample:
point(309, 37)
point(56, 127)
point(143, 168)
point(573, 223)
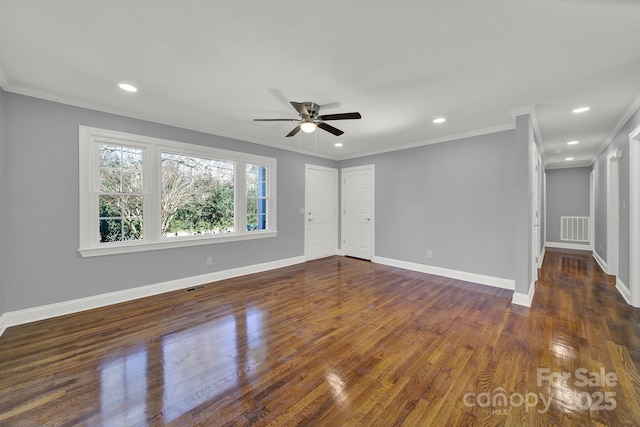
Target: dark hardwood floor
point(336, 342)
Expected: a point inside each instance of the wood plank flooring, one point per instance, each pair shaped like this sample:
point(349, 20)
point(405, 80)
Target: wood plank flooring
point(336, 342)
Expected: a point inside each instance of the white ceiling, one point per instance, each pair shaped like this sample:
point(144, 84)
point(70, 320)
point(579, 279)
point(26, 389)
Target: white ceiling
point(214, 66)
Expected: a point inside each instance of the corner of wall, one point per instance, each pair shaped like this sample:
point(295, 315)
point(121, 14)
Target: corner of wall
point(2, 203)
point(524, 300)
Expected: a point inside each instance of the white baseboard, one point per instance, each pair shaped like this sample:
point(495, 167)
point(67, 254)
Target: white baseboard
point(445, 272)
point(574, 246)
point(20, 317)
point(3, 325)
point(524, 299)
point(600, 261)
point(541, 257)
point(623, 290)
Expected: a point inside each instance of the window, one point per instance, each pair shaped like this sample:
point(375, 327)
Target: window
point(256, 197)
point(139, 193)
point(197, 195)
point(120, 197)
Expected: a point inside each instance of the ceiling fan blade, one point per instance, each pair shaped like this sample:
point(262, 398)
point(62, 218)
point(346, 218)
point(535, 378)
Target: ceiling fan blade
point(300, 108)
point(341, 116)
point(294, 131)
point(330, 129)
point(275, 120)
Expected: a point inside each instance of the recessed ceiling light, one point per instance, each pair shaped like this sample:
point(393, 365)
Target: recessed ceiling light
point(127, 87)
point(439, 120)
point(569, 159)
point(573, 142)
point(581, 110)
point(338, 144)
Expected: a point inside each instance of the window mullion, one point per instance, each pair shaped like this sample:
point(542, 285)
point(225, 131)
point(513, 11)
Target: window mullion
point(241, 197)
point(153, 192)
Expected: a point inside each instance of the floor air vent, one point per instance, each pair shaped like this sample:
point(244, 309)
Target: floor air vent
point(195, 288)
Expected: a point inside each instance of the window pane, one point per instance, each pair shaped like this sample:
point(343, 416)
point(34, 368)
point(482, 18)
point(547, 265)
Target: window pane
point(120, 213)
point(131, 158)
point(120, 169)
point(197, 195)
point(252, 181)
point(132, 228)
point(131, 182)
point(256, 176)
point(110, 230)
point(110, 180)
point(121, 218)
point(110, 156)
point(110, 207)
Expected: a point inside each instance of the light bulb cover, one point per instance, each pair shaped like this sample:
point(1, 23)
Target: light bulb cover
point(308, 127)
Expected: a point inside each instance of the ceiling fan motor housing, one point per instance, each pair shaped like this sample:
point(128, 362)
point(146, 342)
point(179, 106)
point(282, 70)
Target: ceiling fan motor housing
point(312, 108)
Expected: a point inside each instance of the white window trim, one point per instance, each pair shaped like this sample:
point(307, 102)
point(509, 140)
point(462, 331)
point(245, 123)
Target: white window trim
point(89, 245)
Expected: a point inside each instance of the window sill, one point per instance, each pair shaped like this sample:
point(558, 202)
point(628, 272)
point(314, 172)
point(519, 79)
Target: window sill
point(113, 249)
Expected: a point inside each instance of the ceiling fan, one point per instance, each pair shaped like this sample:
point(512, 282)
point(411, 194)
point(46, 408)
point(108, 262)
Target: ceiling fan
point(309, 119)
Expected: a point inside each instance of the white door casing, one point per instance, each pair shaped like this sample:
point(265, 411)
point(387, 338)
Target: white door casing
point(321, 211)
point(634, 217)
point(535, 214)
point(358, 207)
point(613, 211)
point(592, 210)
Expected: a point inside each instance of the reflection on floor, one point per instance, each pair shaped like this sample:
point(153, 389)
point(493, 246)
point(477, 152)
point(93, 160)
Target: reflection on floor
point(334, 342)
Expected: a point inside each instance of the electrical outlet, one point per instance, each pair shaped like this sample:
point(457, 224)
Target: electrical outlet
point(209, 260)
point(429, 254)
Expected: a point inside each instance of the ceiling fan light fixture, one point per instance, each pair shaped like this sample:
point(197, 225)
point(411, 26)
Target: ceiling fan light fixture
point(308, 127)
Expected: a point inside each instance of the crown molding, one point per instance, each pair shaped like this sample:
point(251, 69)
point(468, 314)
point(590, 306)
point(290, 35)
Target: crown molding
point(630, 111)
point(454, 137)
point(74, 102)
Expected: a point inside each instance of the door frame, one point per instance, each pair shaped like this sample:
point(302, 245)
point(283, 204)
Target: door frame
point(634, 216)
point(613, 212)
point(535, 213)
point(334, 172)
point(592, 210)
point(343, 225)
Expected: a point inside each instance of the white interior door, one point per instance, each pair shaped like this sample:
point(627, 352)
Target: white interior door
point(321, 211)
point(357, 213)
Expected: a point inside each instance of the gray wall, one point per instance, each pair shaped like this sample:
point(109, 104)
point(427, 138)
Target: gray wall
point(620, 141)
point(567, 195)
point(454, 198)
point(40, 262)
point(2, 203)
point(522, 150)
